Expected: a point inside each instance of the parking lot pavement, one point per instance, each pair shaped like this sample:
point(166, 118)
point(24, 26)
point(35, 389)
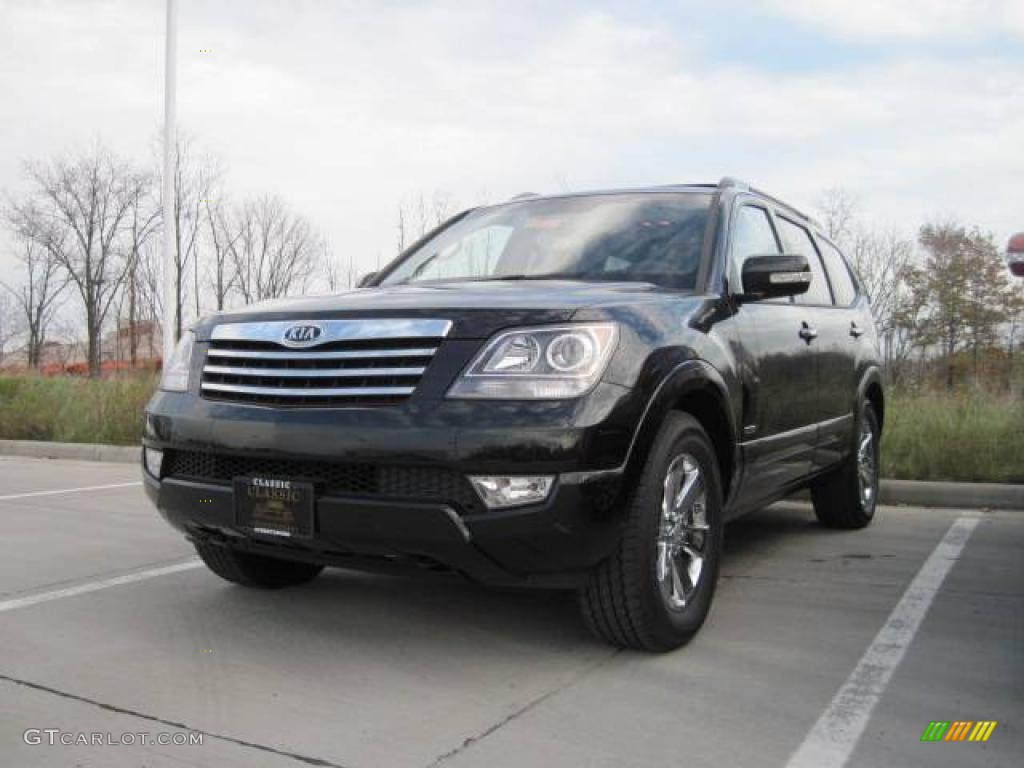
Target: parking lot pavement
point(356, 670)
point(56, 535)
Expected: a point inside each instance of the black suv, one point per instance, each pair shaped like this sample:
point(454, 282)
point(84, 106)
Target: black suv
point(574, 391)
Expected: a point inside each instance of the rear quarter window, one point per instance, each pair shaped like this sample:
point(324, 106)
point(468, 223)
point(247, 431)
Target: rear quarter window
point(838, 274)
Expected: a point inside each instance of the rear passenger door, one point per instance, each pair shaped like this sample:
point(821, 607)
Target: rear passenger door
point(833, 410)
point(848, 341)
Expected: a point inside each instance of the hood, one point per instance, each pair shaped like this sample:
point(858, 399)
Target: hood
point(477, 309)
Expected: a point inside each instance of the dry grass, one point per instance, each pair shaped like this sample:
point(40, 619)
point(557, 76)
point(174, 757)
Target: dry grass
point(74, 410)
point(928, 436)
point(969, 437)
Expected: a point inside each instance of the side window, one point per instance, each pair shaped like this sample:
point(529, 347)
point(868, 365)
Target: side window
point(798, 240)
point(752, 235)
point(839, 274)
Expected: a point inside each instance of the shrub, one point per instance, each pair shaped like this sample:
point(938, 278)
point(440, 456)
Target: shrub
point(967, 437)
point(74, 410)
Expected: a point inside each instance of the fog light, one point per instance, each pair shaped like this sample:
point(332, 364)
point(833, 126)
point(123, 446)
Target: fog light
point(500, 491)
point(154, 460)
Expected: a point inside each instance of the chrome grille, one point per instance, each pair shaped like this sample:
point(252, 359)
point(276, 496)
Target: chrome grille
point(346, 362)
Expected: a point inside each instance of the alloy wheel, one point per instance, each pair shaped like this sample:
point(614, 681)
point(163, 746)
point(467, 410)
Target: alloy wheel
point(866, 465)
point(683, 532)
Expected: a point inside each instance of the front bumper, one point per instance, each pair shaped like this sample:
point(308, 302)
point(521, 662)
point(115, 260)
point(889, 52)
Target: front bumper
point(550, 544)
point(554, 543)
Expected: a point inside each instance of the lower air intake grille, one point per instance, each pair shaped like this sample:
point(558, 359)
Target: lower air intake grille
point(411, 483)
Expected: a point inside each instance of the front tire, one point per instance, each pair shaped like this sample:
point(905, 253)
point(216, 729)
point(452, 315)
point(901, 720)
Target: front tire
point(654, 592)
point(251, 570)
point(847, 497)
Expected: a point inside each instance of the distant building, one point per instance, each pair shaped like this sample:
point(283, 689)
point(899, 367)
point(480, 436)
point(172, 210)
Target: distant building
point(117, 345)
point(70, 357)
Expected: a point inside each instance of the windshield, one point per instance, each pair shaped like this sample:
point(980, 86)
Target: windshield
point(652, 237)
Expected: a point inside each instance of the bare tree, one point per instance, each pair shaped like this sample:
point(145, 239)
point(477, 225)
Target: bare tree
point(837, 209)
point(881, 259)
point(142, 225)
point(338, 277)
point(38, 296)
point(403, 231)
point(223, 238)
point(275, 253)
point(417, 216)
point(194, 182)
point(63, 345)
point(9, 326)
point(85, 203)
point(150, 287)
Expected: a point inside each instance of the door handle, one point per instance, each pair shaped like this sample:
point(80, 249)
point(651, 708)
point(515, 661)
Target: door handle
point(855, 330)
point(807, 333)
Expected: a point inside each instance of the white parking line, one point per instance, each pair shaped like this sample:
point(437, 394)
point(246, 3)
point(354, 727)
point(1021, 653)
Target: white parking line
point(68, 490)
point(94, 586)
point(831, 741)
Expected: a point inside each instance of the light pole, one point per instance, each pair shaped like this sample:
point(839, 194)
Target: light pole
point(170, 146)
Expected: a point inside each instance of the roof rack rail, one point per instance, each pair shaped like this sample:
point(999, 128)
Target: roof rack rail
point(732, 181)
point(784, 204)
point(523, 196)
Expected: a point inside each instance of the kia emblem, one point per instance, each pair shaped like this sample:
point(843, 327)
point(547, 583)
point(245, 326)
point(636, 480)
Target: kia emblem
point(302, 335)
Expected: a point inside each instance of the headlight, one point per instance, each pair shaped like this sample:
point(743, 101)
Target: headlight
point(175, 374)
point(544, 363)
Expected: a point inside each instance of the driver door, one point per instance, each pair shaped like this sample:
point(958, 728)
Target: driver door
point(778, 371)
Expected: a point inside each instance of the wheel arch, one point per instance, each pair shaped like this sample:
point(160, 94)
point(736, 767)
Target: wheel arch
point(870, 389)
point(696, 388)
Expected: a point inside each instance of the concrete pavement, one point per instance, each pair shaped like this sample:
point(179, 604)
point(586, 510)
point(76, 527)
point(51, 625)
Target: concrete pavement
point(355, 670)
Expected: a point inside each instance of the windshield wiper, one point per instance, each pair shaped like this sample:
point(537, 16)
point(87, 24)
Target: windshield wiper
point(495, 278)
point(549, 276)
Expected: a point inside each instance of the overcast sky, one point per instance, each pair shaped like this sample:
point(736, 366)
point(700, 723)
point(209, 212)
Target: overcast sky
point(344, 108)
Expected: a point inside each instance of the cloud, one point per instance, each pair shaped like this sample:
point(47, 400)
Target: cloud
point(346, 108)
point(872, 20)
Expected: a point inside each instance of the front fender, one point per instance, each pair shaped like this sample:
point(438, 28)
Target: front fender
point(685, 379)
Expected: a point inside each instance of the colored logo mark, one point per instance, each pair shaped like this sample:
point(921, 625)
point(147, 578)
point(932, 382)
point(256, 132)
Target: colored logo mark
point(958, 730)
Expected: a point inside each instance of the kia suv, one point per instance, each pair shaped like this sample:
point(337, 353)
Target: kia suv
point(574, 391)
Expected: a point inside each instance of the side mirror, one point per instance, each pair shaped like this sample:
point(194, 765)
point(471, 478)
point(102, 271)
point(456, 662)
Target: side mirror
point(780, 274)
point(1015, 254)
point(366, 279)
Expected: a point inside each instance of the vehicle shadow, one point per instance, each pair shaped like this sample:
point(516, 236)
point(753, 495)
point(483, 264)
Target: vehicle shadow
point(762, 530)
point(438, 611)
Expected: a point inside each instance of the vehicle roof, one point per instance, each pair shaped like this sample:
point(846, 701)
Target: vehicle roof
point(727, 184)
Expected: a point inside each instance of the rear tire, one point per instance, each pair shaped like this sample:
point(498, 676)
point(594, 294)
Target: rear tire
point(846, 498)
point(654, 592)
point(252, 570)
